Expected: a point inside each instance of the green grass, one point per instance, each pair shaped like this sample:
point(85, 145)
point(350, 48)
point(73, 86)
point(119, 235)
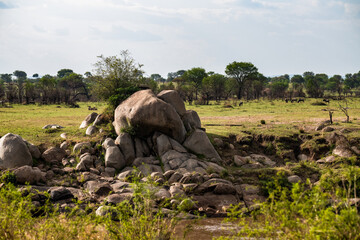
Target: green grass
point(28, 120)
point(281, 118)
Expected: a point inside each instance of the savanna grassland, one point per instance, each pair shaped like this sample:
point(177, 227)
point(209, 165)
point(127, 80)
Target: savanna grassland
point(219, 118)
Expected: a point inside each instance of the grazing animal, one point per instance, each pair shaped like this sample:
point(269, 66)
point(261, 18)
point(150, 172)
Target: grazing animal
point(301, 100)
point(92, 108)
point(326, 100)
point(286, 100)
point(293, 100)
point(240, 104)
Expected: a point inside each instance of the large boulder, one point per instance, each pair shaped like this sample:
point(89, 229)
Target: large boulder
point(14, 152)
point(173, 98)
point(199, 143)
point(146, 114)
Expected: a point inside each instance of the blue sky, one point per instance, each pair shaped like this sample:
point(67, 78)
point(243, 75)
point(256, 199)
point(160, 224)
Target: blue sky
point(277, 36)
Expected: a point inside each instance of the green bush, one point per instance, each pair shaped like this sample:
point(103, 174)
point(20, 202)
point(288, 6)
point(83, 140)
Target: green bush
point(306, 211)
point(121, 94)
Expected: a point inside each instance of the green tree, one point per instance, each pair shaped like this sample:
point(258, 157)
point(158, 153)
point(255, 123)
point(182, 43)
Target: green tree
point(241, 72)
point(297, 79)
point(278, 86)
point(115, 72)
point(157, 78)
point(30, 91)
point(63, 72)
point(73, 85)
point(352, 81)
point(47, 85)
point(20, 78)
point(313, 86)
point(6, 77)
point(195, 76)
point(213, 86)
point(334, 84)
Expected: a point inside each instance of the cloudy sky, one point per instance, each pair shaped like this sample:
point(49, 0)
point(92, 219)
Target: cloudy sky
point(277, 36)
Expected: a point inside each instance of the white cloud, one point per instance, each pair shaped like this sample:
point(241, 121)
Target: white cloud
point(167, 35)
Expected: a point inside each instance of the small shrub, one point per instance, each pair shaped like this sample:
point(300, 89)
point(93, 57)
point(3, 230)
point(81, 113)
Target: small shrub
point(129, 129)
point(8, 177)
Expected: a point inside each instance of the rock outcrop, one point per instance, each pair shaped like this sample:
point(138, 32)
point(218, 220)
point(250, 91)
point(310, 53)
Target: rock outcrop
point(145, 114)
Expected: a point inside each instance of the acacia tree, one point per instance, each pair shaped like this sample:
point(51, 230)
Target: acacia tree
point(241, 72)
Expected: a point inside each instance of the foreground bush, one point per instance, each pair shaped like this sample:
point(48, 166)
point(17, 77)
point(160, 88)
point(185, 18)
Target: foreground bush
point(327, 210)
point(135, 219)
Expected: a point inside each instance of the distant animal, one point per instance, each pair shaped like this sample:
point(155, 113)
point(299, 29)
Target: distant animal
point(301, 100)
point(326, 100)
point(92, 108)
point(240, 104)
point(293, 100)
point(286, 100)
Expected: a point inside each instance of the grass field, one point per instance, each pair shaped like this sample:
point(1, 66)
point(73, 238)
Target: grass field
point(280, 118)
point(28, 120)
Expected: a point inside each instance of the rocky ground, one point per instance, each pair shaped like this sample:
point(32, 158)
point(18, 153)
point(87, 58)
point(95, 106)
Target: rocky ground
point(159, 141)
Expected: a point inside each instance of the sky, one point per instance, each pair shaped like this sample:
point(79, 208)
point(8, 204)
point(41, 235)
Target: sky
point(277, 36)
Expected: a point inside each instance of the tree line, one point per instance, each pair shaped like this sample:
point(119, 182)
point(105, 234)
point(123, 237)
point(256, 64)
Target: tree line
point(116, 77)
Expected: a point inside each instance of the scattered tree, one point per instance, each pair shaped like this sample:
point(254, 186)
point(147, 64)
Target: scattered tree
point(241, 72)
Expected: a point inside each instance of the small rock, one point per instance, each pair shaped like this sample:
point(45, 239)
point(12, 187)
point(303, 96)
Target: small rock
point(52, 126)
point(302, 157)
point(60, 193)
point(175, 177)
point(94, 171)
point(82, 147)
point(108, 143)
point(89, 119)
point(111, 171)
point(328, 129)
point(239, 161)
point(27, 174)
point(218, 142)
point(91, 130)
point(103, 211)
point(162, 194)
point(64, 145)
point(176, 191)
point(294, 179)
point(54, 154)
